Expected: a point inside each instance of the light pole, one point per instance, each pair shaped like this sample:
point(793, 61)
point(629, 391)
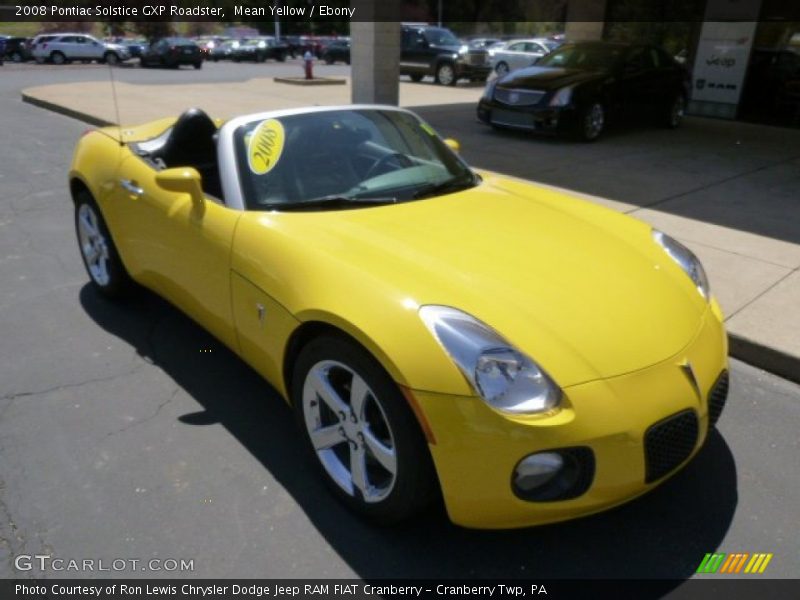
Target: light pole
point(440, 13)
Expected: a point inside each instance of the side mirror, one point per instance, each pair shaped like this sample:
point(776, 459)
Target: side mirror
point(452, 144)
point(182, 179)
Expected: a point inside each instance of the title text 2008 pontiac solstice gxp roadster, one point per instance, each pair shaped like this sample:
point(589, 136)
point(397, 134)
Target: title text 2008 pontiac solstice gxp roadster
point(531, 356)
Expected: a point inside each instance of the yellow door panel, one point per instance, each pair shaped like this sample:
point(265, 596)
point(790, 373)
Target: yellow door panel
point(179, 246)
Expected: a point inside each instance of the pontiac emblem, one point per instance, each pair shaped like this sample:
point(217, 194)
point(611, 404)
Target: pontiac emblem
point(513, 97)
point(687, 369)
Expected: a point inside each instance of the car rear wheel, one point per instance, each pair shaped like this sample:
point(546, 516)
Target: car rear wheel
point(501, 68)
point(592, 122)
point(445, 74)
point(674, 115)
point(16, 57)
point(198, 65)
point(360, 431)
point(58, 58)
point(99, 254)
point(416, 77)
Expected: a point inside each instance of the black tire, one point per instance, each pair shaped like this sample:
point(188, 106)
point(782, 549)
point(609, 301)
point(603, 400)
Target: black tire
point(118, 283)
point(58, 58)
point(281, 57)
point(328, 60)
point(446, 74)
point(591, 123)
point(673, 114)
point(111, 58)
point(414, 484)
point(501, 68)
point(16, 57)
point(198, 65)
point(416, 77)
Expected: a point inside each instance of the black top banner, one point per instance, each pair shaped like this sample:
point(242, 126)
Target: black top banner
point(322, 11)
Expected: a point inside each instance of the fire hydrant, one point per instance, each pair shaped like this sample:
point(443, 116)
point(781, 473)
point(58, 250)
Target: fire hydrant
point(308, 60)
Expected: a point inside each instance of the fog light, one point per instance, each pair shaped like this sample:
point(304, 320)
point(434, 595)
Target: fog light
point(536, 470)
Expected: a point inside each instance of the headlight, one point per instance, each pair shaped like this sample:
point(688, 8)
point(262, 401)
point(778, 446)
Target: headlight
point(562, 97)
point(503, 376)
point(686, 260)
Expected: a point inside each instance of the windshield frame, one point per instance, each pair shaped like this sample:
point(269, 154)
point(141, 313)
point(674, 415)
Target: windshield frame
point(232, 184)
point(606, 48)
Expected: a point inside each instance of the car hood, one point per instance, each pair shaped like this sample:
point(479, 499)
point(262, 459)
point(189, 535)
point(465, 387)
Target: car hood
point(580, 288)
point(548, 78)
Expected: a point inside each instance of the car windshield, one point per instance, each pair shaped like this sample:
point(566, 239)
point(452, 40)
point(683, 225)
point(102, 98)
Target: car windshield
point(349, 157)
point(586, 57)
point(441, 37)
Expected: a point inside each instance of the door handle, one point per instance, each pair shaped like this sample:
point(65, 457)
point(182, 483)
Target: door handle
point(131, 187)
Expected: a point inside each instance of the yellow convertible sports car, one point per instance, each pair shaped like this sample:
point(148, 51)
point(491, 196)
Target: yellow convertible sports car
point(528, 356)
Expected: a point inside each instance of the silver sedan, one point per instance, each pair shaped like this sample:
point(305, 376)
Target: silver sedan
point(518, 54)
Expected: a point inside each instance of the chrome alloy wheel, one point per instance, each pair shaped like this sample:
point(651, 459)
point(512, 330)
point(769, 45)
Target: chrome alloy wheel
point(594, 121)
point(446, 75)
point(676, 112)
point(93, 245)
point(349, 431)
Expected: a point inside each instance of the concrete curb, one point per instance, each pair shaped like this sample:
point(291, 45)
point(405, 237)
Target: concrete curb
point(310, 82)
point(771, 360)
point(86, 118)
point(744, 349)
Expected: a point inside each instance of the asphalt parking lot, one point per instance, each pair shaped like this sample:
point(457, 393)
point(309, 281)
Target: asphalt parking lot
point(127, 432)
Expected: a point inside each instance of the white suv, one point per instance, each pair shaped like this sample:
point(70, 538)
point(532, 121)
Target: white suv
point(65, 47)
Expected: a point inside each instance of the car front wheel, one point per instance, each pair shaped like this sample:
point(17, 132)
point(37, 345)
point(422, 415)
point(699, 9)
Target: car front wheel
point(445, 74)
point(592, 122)
point(111, 58)
point(501, 68)
point(674, 115)
point(100, 256)
point(361, 431)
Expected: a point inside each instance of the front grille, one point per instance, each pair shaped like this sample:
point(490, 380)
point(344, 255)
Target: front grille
point(517, 97)
point(717, 398)
point(668, 443)
point(477, 59)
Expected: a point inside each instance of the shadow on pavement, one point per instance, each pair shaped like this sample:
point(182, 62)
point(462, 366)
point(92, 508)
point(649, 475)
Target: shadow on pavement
point(728, 173)
point(661, 535)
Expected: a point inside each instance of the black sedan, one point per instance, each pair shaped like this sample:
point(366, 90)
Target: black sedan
point(337, 50)
point(580, 87)
point(259, 50)
point(172, 52)
point(16, 49)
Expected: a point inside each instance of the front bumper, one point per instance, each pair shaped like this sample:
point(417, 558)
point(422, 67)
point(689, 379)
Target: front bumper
point(533, 118)
point(465, 70)
point(476, 449)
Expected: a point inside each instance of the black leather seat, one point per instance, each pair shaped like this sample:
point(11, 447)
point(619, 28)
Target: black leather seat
point(192, 143)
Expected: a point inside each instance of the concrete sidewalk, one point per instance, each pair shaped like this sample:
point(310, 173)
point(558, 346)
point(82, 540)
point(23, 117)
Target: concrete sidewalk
point(729, 190)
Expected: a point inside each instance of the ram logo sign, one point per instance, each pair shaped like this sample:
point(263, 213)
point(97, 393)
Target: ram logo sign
point(737, 562)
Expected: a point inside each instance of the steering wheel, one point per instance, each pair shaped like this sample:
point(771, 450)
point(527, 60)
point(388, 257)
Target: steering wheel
point(403, 160)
